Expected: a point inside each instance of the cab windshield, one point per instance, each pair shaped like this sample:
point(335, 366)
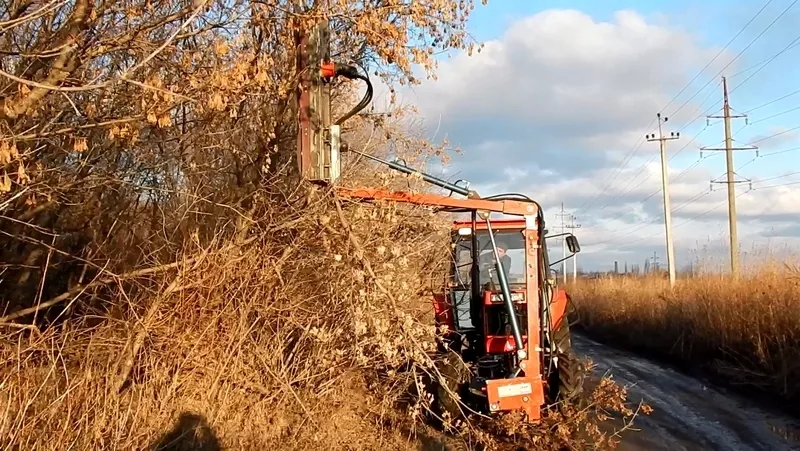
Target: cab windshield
point(511, 247)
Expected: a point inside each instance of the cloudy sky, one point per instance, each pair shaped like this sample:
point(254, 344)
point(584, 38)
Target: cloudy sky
point(558, 103)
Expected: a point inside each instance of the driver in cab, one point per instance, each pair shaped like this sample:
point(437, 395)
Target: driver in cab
point(488, 267)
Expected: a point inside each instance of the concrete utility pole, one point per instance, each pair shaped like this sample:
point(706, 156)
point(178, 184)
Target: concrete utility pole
point(665, 188)
point(730, 174)
point(572, 226)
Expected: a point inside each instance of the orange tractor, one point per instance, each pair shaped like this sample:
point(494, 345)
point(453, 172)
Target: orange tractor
point(507, 342)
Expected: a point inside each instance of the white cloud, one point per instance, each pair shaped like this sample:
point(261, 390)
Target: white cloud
point(554, 106)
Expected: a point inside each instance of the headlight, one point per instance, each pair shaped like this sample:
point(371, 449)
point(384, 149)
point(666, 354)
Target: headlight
point(515, 297)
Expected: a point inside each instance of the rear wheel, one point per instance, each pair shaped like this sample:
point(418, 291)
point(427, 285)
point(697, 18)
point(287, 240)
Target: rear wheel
point(448, 390)
point(566, 382)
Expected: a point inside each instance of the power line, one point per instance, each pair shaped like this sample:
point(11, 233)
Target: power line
point(743, 50)
point(776, 115)
point(777, 177)
point(612, 178)
point(703, 114)
point(678, 177)
point(643, 166)
point(684, 147)
point(774, 135)
point(699, 195)
point(716, 56)
point(770, 154)
point(759, 63)
point(681, 224)
point(691, 200)
point(773, 101)
point(686, 171)
point(790, 45)
point(639, 142)
point(779, 152)
point(776, 186)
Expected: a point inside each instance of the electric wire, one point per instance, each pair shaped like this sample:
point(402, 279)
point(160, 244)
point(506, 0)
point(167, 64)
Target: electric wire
point(776, 186)
point(741, 52)
point(656, 155)
point(775, 115)
point(773, 100)
point(771, 59)
point(675, 179)
point(777, 177)
point(612, 177)
point(694, 218)
point(761, 65)
point(691, 200)
point(656, 220)
point(774, 135)
point(718, 54)
point(639, 142)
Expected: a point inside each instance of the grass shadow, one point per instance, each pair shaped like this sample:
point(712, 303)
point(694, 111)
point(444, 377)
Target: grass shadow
point(191, 432)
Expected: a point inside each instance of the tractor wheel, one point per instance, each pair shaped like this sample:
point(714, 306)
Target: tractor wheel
point(567, 382)
point(454, 374)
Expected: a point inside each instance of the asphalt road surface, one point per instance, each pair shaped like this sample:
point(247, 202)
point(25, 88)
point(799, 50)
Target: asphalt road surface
point(688, 415)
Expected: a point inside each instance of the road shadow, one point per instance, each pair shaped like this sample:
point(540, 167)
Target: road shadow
point(190, 433)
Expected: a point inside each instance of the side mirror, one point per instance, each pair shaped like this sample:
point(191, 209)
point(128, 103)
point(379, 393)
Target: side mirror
point(572, 244)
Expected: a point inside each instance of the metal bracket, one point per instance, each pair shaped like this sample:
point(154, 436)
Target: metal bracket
point(318, 140)
point(335, 166)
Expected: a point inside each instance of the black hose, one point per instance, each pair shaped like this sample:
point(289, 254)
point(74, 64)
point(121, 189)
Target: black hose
point(352, 73)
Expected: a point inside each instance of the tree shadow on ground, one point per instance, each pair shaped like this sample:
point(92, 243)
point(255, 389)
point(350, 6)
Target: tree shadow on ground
point(191, 432)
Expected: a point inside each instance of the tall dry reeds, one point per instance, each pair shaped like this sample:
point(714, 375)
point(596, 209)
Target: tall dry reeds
point(743, 331)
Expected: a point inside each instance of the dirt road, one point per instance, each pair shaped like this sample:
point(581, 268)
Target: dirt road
point(689, 415)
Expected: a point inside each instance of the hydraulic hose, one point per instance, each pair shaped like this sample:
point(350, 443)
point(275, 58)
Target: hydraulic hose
point(351, 73)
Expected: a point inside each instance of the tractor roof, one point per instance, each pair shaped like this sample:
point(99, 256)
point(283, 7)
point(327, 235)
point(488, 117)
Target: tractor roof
point(497, 224)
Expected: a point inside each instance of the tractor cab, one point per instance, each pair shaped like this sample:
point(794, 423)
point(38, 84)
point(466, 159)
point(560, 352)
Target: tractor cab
point(475, 314)
point(477, 299)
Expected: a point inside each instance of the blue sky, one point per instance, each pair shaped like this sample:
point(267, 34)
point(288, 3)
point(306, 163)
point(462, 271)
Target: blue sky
point(714, 23)
point(625, 221)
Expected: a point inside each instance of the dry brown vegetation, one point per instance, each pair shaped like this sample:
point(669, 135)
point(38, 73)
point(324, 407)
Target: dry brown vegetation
point(744, 332)
point(165, 278)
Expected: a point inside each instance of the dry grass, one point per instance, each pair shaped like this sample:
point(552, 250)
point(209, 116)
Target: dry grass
point(268, 340)
point(306, 335)
point(743, 332)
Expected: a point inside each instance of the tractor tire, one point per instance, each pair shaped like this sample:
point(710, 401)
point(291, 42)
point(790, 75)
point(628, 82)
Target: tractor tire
point(566, 383)
point(455, 375)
